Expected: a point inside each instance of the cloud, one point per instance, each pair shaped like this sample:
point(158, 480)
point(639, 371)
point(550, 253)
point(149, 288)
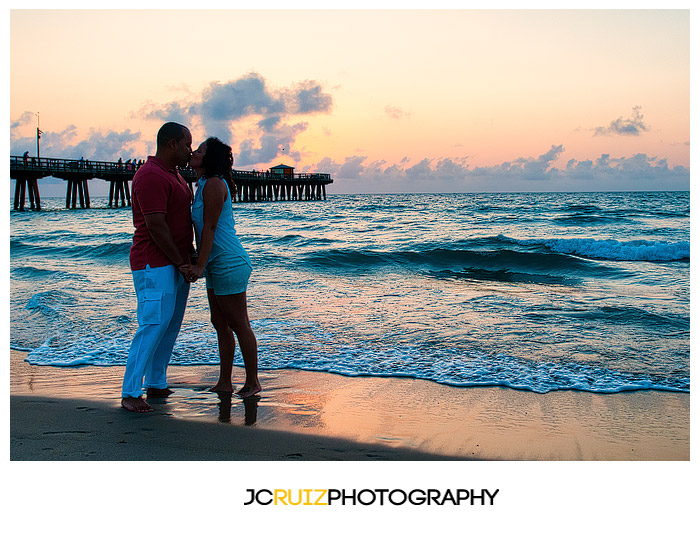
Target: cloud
point(23, 119)
point(269, 124)
point(236, 99)
point(107, 145)
point(395, 112)
point(277, 140)
point(326, 165)
point(250, 95)
point(307, 98)
point(420, 171)
point(352, 167)
point(172, 111)
point(533, 168)
point(223, 107)
point(638, 172)
point(624, 127)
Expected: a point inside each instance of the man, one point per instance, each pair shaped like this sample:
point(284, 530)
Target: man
point(159, 258)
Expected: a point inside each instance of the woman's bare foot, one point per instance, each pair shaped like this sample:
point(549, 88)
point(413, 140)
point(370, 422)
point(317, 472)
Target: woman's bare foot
point(222, 387)
point(249, 390)
point(137, 405)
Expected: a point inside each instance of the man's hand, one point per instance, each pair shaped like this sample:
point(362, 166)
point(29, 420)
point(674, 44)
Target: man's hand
point(184, 269)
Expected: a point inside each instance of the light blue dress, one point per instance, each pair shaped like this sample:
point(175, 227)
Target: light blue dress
point(228, 268)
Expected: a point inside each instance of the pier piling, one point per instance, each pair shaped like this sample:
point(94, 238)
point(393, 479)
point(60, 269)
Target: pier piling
point(27, 188)
point(22, 189)
point(77, 189)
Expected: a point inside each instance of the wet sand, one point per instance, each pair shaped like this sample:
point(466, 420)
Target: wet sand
point(74, 414)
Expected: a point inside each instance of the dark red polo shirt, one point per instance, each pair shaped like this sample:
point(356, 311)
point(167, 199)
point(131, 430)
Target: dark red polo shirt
point(155, 190)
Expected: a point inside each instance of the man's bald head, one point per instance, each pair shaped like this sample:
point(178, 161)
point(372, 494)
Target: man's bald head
point(170, 131)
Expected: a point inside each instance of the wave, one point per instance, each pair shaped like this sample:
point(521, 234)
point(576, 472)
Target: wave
point(463, 259)
point(287, 240)
point(535, 377)
point(639, 213)
point(87, 349)
point(49, 303)
point(20, 348)
point(583, 208)
point(118, 250)
point(504, 276)
point(502, 258)
point(29, 272)
point(589, 220)
point(74, 237)
point(633, 250)
point(315, 350)
point(499, 258)
point(634, 315)
point(49, 235)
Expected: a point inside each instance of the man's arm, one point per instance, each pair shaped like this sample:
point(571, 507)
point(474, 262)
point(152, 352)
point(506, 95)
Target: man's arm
point(163, 238)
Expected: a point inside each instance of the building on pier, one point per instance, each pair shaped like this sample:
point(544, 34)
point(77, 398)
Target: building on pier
point(286, 171)
point(279, 183)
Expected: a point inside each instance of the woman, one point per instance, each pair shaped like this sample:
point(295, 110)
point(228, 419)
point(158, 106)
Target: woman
point(225, 263)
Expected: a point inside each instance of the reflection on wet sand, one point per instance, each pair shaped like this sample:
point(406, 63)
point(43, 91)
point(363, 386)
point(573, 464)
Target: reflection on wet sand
point(250, 405)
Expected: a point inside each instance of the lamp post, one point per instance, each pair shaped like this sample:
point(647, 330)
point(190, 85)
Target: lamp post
point(38, 136)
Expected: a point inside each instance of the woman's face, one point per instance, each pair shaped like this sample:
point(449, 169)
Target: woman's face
point(198, 155)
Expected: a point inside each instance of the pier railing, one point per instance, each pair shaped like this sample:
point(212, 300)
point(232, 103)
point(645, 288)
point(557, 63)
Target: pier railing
point(266, 176)
point(63, 165)
point(60, 166)
point(251, 186)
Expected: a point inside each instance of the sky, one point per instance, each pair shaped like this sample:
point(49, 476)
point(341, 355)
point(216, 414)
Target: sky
point(384, 100)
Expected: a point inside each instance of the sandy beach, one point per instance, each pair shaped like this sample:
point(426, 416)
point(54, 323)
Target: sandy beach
point(74, 414)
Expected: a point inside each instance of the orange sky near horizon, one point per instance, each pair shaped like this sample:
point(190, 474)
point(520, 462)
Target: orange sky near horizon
point(486, 87)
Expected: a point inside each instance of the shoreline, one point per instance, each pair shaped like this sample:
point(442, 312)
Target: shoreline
point(61, 413)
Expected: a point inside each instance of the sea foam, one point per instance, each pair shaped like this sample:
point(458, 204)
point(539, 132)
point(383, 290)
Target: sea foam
point(633, 250)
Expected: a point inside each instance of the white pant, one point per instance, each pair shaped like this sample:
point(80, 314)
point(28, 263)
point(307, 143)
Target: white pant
point(162, 296)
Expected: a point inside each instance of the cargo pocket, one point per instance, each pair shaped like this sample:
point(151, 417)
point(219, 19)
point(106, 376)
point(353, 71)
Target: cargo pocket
point(149, 307)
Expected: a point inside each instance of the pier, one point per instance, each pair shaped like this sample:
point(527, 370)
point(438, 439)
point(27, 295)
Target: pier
point(279, 183)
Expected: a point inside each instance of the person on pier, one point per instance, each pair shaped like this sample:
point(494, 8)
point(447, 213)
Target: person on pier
point(160, 260)
point(224, 262)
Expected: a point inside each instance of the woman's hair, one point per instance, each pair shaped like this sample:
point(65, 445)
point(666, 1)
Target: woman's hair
point(218, 161)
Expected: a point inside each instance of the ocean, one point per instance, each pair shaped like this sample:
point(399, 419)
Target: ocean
point(533, 291)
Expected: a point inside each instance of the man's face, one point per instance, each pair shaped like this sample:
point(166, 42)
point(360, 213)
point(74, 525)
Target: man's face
point(183, 149)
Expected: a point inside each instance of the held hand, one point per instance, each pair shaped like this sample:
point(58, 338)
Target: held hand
point(186, 271)
point(195, 272)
